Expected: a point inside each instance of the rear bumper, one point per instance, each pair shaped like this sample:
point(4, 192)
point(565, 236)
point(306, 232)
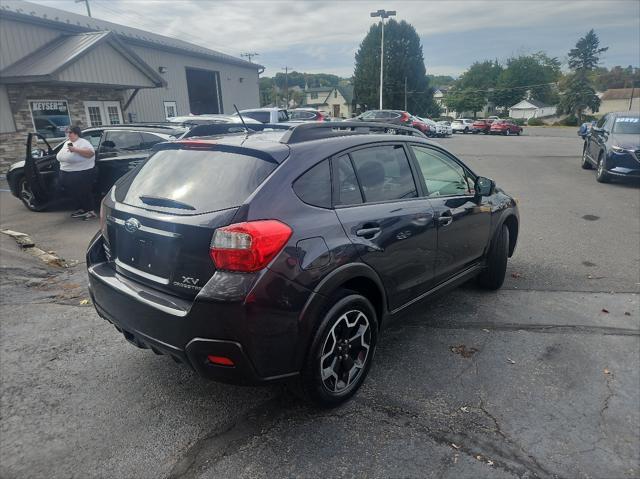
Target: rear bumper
point(263, 342)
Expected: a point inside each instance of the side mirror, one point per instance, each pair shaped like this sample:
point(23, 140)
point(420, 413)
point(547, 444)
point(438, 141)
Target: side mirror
point(38, 153)
point(484, 186)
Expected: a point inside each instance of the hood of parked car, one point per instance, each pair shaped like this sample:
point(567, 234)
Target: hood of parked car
point(626, 141)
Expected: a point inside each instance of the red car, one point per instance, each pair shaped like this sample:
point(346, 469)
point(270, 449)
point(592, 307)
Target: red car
point(420, 125)
point(481, 126)
point(504, 127)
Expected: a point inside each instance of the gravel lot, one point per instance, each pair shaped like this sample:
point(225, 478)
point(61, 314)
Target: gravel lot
point(553, 389)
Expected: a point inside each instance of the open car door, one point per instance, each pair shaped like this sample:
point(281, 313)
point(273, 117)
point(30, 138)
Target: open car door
point(34, 182)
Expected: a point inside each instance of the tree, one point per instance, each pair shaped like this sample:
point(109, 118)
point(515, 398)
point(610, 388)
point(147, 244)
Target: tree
point(617, 77)
point(578, 92)
point(403, 59)
point(586, 55)
point(441, 80)
point(462, 100)
point(527, 74)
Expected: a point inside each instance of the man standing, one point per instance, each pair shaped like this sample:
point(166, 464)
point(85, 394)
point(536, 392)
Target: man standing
point(77, 172)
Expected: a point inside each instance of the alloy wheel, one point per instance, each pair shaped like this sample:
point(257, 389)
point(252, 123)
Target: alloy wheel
point(345, 351)
point(26, 195)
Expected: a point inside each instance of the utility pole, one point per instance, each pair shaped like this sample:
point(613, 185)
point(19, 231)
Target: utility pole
point(405, 93)
point(286, 84)
point(86, 2)
point(382, 14)
point(249, 55)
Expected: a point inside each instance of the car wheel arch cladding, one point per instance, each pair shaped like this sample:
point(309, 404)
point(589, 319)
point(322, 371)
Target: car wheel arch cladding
point(358, 277)
point(511, 222)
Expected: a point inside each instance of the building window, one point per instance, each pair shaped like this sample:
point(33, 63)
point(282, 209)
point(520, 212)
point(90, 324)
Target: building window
point(103, 113)
point(95, 116)
point(170, 109)
point(114, 116)
point(314, 96)
point(50, 117)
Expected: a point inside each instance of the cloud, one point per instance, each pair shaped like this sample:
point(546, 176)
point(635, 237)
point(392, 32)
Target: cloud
point(324, 35)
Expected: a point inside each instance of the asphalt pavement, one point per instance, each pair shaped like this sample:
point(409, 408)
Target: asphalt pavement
point(539, 379)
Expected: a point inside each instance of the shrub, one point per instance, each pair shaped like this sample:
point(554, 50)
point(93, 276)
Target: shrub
point(535, 122)
point(519, 121)
point(571, 120)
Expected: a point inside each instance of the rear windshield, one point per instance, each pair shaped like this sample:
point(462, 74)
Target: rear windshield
point(261, 116)
point(302, 115)
point(193, 182)
point(627, 125)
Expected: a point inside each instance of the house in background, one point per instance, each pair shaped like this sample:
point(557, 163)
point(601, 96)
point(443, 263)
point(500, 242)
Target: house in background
point(336, 101)
point(531, 109)
point(619, 99)
point(438, 96)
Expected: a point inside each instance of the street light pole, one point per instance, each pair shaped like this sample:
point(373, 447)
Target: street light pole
point(382, 14)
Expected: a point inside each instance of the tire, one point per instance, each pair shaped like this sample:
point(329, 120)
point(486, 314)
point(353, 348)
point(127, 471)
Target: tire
point(518, 132)
point(507, 132)
point(466, 130)
point(585, 162)
point(486, 132)
point(493, 275)
point(601, 173)
point(26, 196)
point(325, 380)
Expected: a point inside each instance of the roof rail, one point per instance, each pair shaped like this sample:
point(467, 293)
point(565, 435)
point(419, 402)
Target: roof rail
point(329, 129)
point(231, 128)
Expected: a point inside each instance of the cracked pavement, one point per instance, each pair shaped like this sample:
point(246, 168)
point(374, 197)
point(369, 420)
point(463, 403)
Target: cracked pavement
point(552, 390)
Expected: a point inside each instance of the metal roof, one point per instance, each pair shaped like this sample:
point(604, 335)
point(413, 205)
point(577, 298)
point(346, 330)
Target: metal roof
point(54, 57)
point(72, 22)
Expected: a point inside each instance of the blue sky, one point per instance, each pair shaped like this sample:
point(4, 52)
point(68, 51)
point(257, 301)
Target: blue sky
point(323, 36)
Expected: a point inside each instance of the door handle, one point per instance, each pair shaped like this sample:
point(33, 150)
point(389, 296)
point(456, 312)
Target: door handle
point(368, 233)
point(445, 219)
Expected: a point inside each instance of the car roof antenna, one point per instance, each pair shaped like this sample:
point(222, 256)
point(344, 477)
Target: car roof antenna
point(246, 128)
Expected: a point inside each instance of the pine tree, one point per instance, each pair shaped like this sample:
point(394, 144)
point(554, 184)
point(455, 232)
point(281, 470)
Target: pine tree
point(403, 58)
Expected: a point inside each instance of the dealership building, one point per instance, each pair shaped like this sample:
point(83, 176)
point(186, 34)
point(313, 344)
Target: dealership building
point(59, 69)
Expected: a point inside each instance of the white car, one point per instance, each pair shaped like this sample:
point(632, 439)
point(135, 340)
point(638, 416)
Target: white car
point(446, 128)
point(434, 128)
point(266, 115)
point(461, 125)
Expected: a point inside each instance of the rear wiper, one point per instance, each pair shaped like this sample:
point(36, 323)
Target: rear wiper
point(166, 202)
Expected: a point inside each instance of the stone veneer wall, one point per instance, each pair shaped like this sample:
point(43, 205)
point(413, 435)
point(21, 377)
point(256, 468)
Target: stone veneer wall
point(12, 145)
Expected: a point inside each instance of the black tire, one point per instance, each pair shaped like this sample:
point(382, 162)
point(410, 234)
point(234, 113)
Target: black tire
point(486, 132)
point(518, 132)
point(601, 173)
point(332, 390)
point(466, 130)
point(493, 275)
point(26, 196)
point(507, 132)
point(585, 162)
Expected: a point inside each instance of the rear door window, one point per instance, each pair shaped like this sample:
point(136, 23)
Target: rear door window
point(384, 173)
point(314, 186)
point(282, 115)
point(193, 182)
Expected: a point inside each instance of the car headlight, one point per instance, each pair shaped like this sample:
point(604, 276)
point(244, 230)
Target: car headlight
point(617, 149)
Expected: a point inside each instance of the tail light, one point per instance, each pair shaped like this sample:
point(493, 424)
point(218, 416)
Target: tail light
point(405, 117)
point(248, 247)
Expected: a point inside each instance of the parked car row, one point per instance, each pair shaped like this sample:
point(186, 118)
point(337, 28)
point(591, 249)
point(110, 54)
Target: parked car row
point(488, 126)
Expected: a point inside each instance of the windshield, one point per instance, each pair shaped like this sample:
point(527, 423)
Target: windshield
point(627, 125)
point(197, 181)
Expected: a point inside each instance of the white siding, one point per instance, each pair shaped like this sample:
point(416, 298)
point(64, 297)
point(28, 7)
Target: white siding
point(18, 39)
point(104, 65)
point(7, 124)
point(148, 105)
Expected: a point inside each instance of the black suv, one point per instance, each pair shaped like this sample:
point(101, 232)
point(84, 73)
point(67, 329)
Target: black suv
point(279, 255)
point(119, 149)
point(613, 147)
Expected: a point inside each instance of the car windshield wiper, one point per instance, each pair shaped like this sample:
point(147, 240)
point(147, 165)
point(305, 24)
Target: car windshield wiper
point(166, 202)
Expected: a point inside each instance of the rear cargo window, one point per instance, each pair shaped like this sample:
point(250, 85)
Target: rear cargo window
point(193, 182)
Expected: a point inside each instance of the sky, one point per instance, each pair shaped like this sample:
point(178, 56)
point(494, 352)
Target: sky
point(324, 35)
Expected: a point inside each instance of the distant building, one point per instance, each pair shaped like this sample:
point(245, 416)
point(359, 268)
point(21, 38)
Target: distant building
point(59, 68)
point(336, 101)
point(619, 99)
point(531, 109)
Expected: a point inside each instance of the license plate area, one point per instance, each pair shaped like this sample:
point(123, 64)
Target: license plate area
point(151, 254)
